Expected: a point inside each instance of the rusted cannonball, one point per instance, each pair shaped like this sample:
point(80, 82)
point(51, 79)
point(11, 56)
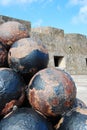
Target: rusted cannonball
point(28, 56)
point(3, 56)
point(56, 120)
point(52, 92)
point(25, 119)
point(74, 120)
point(12, 31)
point(11, 90)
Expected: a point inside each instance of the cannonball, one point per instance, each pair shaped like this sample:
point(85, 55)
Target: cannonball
point(55, 121)
point(52, 91)
point(12, 31)
point(74, 120)
point(3, 56)
point(25, 119)
point(11, 90)
point(27, 56)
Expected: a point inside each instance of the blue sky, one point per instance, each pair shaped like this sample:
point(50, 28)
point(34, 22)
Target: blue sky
point(69, 15)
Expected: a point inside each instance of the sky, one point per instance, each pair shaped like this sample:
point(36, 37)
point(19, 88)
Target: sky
point(69, 15)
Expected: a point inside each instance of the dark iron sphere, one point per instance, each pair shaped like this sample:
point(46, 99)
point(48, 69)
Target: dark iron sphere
point(3, 56)
point(12, 31)
point(25, 119)
point(74, 120)
point(11, 90)
point(27, 56)
point(52, 92)
point(55, 120)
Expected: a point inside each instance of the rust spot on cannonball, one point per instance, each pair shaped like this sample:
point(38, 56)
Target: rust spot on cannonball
point(53, 90)
point(16, 102)
point(12, 31)
point(40, 104)
point(8, 107)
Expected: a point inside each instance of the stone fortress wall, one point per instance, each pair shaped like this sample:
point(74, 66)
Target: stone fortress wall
point(66, 51)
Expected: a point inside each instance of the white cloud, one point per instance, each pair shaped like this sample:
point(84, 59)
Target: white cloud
point(77, 2)
point(5, 2)
point(37, 23)
point(81, 15)
point(12, 2)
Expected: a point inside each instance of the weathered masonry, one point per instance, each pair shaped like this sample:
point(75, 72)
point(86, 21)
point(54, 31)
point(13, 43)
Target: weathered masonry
point(66, 51)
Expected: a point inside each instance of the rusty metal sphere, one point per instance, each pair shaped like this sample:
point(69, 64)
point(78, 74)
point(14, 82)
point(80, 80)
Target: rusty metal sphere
point(11, 90)
point(52, 92)
point(12, 31)
point(25, 119)
point(74, 120)
point(28, 56)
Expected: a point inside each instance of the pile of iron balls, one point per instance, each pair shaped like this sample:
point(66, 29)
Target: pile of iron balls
point(34, 96)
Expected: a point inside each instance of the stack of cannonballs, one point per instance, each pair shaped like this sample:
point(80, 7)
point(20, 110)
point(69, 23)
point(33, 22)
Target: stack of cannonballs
point(34, 96)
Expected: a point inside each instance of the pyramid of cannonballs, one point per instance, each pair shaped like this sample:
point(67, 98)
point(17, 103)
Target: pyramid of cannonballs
point(34, 96)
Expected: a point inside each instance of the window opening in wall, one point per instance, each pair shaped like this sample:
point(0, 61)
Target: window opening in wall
point(59, 61)
point(86, 61)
